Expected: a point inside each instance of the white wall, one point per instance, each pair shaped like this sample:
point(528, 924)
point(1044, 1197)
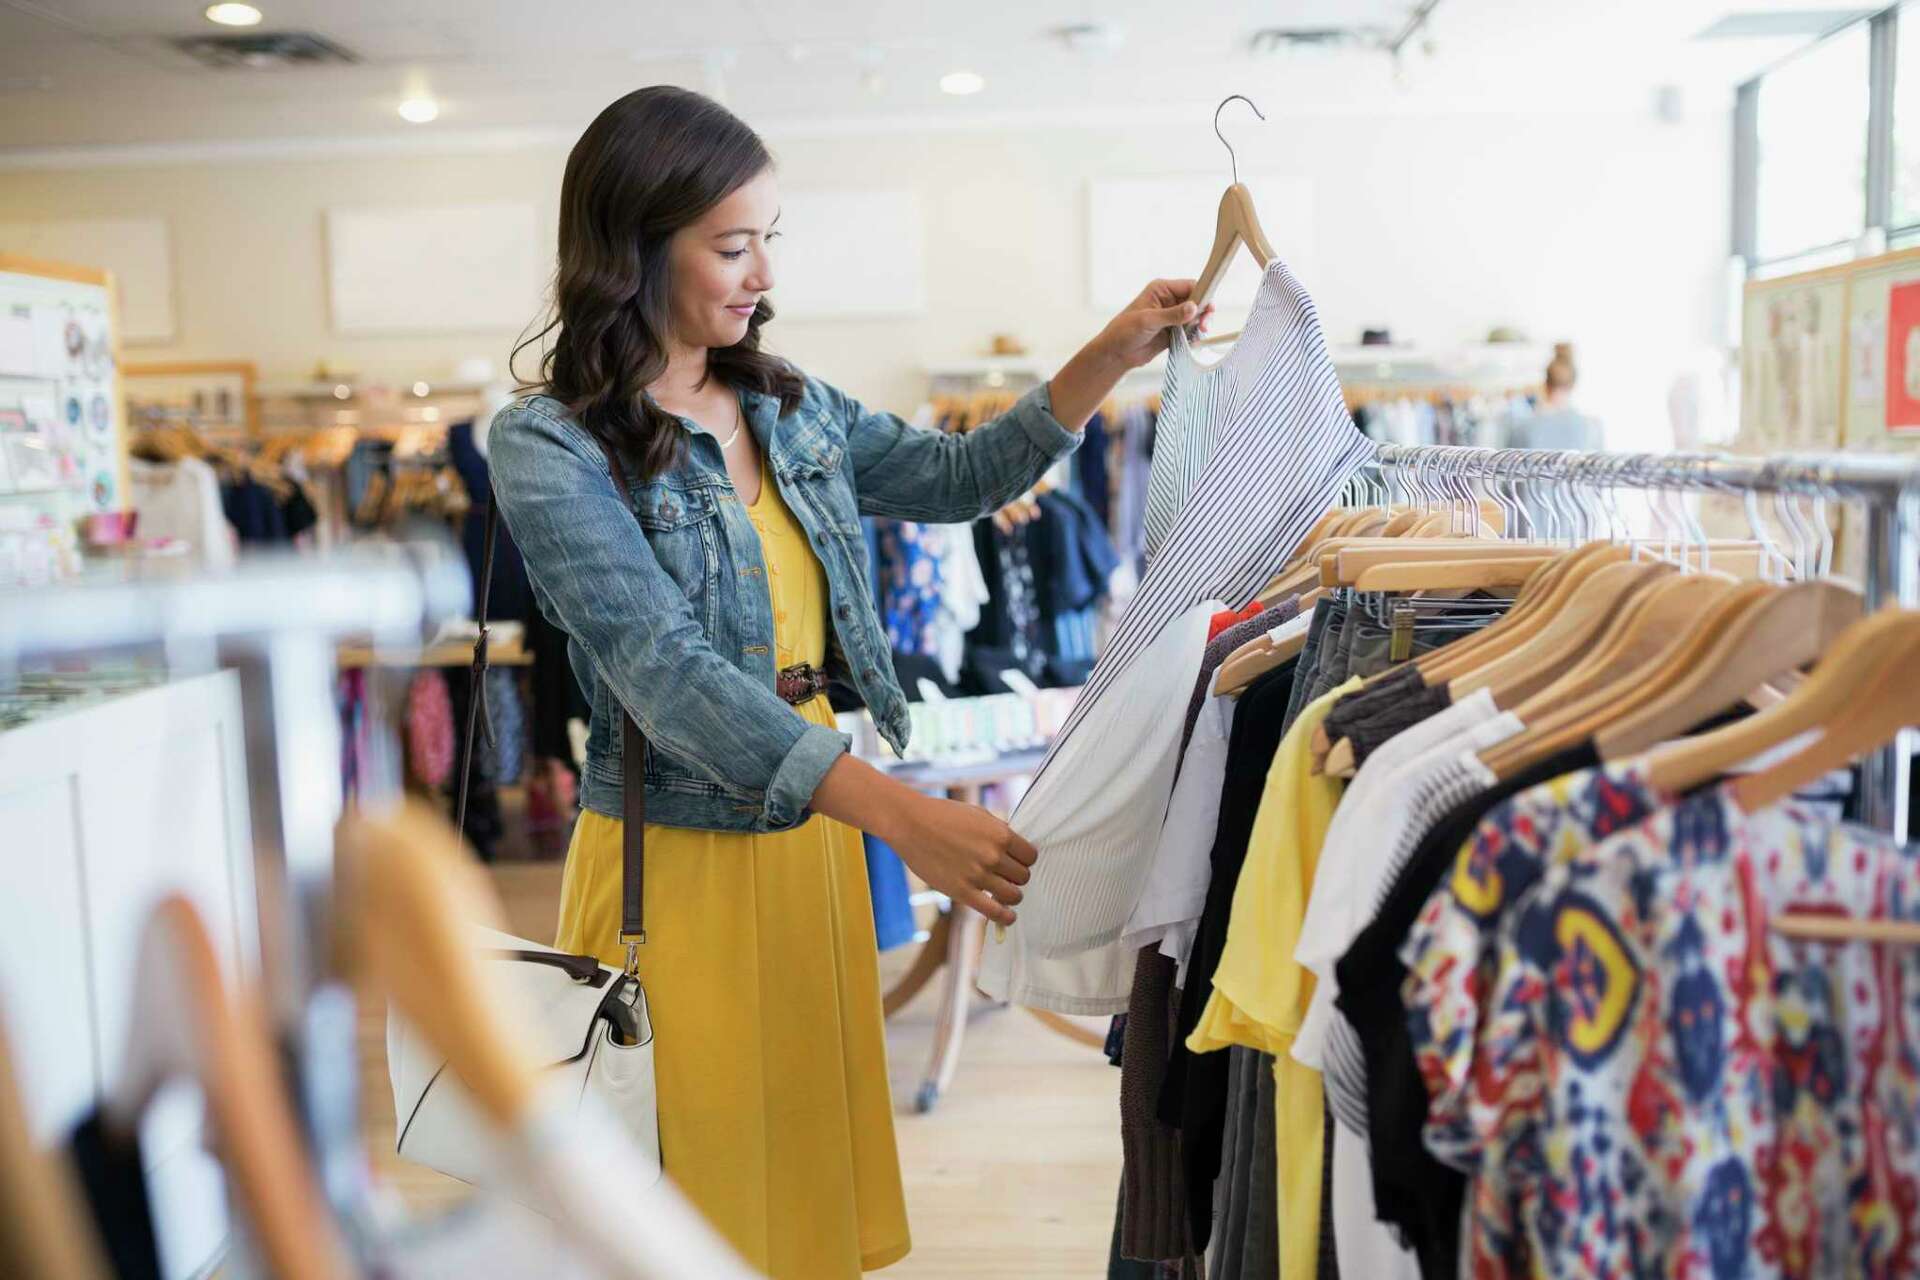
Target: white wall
point(1607, 229)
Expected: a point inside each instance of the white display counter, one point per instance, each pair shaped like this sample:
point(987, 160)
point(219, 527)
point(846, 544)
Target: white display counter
point(104, 809)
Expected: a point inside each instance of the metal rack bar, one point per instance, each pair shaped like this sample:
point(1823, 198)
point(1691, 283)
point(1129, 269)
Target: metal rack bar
point(1887, 485)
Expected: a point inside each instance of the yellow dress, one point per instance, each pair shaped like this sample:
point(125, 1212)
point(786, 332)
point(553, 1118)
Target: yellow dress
point(763, 981)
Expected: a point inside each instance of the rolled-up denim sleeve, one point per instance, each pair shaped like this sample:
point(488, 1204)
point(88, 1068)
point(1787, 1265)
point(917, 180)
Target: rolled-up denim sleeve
point(589, 559)
point(906, 472)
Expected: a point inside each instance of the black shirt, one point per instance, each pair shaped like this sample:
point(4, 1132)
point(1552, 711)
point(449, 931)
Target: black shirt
point(1193, 1096)
point(1363, 704)
point(1412, 1190)
point(114, 1182)
point(1416, 703)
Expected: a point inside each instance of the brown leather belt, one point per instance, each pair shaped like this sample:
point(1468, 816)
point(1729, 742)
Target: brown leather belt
point(796, 684)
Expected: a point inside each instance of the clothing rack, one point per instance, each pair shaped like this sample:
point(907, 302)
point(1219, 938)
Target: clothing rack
point(286, 658)
point(1886, 486)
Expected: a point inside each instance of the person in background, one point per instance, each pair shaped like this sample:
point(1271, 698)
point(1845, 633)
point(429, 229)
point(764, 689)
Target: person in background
point(1554, 424)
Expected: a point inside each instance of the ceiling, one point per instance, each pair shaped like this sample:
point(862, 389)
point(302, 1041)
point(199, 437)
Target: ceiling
point(102, 73)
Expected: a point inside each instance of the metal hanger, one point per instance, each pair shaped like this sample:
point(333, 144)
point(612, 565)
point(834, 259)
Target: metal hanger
point(1232, 160)
point(1237, 224)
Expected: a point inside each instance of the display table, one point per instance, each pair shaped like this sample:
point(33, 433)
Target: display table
point(451, 653)
point(953, 946)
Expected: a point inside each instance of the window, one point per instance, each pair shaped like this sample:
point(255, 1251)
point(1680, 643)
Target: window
point(1906, 118)
point(1812, 147)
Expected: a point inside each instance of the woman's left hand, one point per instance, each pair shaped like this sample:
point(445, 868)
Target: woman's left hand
point(1130, 339)
point(1142, 331)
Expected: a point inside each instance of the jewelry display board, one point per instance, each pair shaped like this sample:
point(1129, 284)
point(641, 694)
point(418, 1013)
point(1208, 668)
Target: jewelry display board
point(63, 437)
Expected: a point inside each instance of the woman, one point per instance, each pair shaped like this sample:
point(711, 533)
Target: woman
point(709, 599)
point(1553, 424)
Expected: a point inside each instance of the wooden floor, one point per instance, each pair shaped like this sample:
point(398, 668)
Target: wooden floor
point(1013, 1174)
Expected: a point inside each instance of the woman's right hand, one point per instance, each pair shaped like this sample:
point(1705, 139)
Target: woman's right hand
point(964, 852)
point(960, 849)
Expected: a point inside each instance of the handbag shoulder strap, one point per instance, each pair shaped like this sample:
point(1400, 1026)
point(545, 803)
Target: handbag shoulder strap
point(633, 748)
point(633, 791)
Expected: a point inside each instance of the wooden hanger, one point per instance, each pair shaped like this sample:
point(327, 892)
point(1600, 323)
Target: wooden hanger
point(1639, 633)
point(1236, 225)
point(1781, 630)
point(1825, 928)
point(1539, 589)
point(410, 895)
point(1852, 667)
point(1302, 573)
point(1296, 574)
point(189, 1025)
point(1338, 758)
point(1563, 637)
point(1498, 573)
point(49, 1234)
point(1254, 659)
point(1866, 690)
point(1541, 599)
point(1863, 692)
point(1618, 674)
point(1316, 535)
point(1399, 524)
point(1886, 699)
point(1343, 567)
point(1293, 582)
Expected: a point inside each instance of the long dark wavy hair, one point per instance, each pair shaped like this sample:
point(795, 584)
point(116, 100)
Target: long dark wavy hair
point(650, 164)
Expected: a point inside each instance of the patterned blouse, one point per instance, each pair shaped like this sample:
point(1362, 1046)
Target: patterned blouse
point(1452, 952)
point(1667, 1088)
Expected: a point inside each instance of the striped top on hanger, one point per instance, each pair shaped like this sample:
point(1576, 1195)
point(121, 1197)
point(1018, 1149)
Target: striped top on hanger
point(1248, 454)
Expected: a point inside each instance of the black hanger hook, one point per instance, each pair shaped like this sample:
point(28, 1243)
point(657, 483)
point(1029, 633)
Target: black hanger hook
point(1231, 158)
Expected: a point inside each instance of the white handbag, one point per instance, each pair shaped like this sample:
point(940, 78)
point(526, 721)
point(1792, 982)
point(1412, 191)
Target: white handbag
point(590, 1023)
point(591, 1031)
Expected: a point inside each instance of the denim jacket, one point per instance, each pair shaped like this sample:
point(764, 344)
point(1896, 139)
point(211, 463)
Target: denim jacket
point(668, 614)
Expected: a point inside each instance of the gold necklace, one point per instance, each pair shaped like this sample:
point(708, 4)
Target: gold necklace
point(739, 421)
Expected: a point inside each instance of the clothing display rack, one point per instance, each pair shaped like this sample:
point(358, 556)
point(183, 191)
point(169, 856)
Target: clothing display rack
point(286, 659)
point(325, 890)
point(1886, 486)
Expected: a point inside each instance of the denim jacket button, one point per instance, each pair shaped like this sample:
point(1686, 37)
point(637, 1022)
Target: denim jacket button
point(868, 673)
point(843, 613)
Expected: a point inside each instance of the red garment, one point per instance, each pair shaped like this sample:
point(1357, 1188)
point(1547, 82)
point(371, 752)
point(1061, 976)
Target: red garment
point(1221, 621)
point(429, 728)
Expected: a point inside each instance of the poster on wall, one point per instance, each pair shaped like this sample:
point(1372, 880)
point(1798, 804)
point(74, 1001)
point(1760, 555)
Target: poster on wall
point(1883, 325)
point(1903, 359)
point(1792, 370)
point(61, 423)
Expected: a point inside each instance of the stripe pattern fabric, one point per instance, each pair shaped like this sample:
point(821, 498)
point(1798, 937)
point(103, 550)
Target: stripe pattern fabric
point(1257, 447)
point(1262, 443)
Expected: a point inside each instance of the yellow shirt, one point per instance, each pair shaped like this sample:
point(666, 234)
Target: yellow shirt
point(1260, 994)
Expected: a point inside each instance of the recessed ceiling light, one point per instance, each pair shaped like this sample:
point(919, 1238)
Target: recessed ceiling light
point(419, 110)
point(961, 83)
point(233, 15)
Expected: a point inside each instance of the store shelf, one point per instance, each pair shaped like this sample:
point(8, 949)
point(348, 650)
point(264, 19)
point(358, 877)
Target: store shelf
point(362, 390)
